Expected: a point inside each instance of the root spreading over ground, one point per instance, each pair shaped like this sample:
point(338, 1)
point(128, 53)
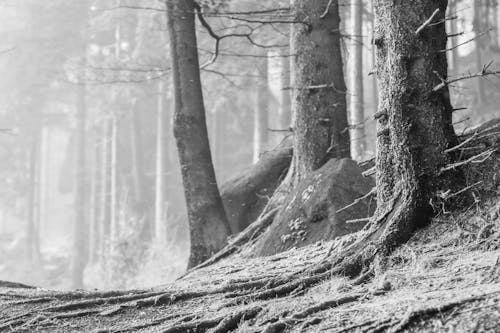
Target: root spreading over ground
point(445, 278)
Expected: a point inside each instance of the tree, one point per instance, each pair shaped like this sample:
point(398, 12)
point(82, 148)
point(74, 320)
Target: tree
point(80, 226)
point(261, 117)
point(207, 219)
point(319, 91)
point(414, 125)
point(358, 141)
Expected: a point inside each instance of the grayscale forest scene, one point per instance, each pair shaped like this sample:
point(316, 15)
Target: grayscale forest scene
point(192, 166)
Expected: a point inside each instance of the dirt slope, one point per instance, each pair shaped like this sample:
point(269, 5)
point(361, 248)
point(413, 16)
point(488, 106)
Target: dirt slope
point(449, 282)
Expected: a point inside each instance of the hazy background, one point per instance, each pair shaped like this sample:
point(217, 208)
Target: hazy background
point(109, 58)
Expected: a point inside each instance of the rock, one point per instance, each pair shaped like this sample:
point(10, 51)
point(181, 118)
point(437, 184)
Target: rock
point(311, 214)
point(245, 195)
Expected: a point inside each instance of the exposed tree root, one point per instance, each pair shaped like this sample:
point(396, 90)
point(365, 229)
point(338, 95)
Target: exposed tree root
point(412, 314)
point(220, 324)
point(242, 238)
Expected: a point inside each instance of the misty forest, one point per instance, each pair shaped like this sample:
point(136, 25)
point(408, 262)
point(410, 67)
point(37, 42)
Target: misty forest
point(250, 166)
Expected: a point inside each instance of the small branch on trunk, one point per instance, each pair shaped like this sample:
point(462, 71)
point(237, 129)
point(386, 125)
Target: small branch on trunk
point(484, 72)
point(468, 41)
point(426, 23)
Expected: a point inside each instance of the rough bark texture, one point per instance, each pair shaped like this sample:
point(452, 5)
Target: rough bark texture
point(358, 140)
point(319, 91)
point(414, 122)
point(207, 219)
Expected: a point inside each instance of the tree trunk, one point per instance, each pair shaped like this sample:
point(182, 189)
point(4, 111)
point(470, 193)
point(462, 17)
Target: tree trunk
point(105, 196)
point(414, 123)
point(80, 231)
point(374, 60)
point(261, 120)
point(113, 186)
point(478, 28)
point(358, 140)
point(319, 91)
point(453, 39)
point(140, 205)
point(161, 174)
point(285, 98)
point(95, 199)
point(32, 251)
point(207, 219)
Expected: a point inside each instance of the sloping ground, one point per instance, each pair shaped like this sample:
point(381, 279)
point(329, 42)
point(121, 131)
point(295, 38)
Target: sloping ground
point(447, 278)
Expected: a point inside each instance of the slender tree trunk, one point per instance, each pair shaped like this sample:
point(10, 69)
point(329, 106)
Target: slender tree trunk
point(80, 226)
point(478, 28)
point(453, 40)
point(113, 190)
point(209, 227)
point(32, 218)
point(105, 196)
point(358, 139)
point(285, 106)
point(319, 91)
point(140, 201)
point(261, 116)
point(95, 198)
point(160, 181)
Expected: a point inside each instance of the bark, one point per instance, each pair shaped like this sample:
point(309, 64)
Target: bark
point(358, 140)
point(80, 231)
point(319, 91)
point(261, 117)
point(414, 124)
point(208, 223)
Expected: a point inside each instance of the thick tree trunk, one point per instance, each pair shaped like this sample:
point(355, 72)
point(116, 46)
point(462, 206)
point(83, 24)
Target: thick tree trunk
point(209, 227)
point(319, 91)
point(80, 231)
point(358, 139)
point(414, 124)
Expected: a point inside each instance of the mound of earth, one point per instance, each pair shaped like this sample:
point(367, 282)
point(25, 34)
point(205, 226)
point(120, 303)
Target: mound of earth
point(446, 279)
point(245, 195)
point(324, 206)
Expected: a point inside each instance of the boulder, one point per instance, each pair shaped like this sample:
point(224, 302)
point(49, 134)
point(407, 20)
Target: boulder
point(314, 210)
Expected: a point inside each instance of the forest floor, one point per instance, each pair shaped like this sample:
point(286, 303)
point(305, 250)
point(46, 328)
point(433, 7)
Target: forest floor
point(447, 278)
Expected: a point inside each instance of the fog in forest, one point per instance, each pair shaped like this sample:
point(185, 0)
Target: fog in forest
point(90, 183)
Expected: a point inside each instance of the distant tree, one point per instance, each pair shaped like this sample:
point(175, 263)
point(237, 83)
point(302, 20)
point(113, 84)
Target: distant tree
point(319, 91)
point(358, 140)
point(208, 223)
point(261, 114)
